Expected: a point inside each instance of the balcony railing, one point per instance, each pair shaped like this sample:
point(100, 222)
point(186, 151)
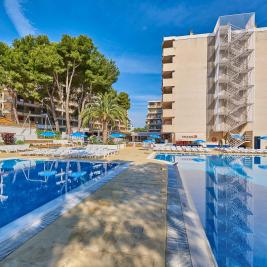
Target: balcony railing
point(167, 67)
point(168, 51)
point(168, 82)
point(167, 128)
point(168, 113)
point(167, 97)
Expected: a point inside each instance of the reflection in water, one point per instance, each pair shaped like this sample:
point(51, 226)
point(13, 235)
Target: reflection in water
point(229, 210)
point(27, 184)
point(230, 195)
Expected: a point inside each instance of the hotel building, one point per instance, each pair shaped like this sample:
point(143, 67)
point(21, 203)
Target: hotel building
point(214, 85)
point(30, 111)
point(36, 114)
point(153, 118)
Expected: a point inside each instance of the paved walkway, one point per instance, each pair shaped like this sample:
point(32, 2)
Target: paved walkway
point(122, 224)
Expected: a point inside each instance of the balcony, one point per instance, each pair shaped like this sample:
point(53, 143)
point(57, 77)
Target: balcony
point(167, 128)
point(154, 111)
point(167, 67)
point(153, 117)
point(167, 90)
point(28, 104)
point(154, 105)
point(167, 98)
point(168, 113)
point(154, 122)
point(168, 52)
point(168, 83)
point(31, 115)
point(167, 59)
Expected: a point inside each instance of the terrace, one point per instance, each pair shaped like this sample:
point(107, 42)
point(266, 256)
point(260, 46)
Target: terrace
point(135, 216)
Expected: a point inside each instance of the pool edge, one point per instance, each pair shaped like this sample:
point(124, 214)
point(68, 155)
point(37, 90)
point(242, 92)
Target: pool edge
point(187, 244)
point(14, 234)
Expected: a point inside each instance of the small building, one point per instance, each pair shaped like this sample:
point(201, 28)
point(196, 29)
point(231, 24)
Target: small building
point(153, 118)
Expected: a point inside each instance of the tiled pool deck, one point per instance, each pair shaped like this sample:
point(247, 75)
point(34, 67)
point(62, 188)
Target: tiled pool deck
point(127, 222)
point(122, 224)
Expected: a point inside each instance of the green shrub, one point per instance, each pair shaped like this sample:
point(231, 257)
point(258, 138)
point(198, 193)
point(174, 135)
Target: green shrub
point(111, 142)
point(19, 142)
point(94, 140)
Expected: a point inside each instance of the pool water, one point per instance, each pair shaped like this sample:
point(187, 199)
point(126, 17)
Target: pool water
point(230, 196)
point(28, 184)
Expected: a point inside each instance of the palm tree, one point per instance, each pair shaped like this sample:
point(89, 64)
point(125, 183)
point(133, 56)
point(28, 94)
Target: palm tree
point(106, 110)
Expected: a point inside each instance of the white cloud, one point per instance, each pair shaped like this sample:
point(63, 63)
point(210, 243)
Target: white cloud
point(14, 10)
point(138, 64)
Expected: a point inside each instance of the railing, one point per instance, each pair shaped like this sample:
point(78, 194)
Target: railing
point(236, 142)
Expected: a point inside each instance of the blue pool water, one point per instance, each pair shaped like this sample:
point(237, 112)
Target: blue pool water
point(28, 184)
point(230, 196)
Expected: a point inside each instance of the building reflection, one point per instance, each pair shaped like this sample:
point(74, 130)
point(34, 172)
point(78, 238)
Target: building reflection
point(229, 210)
point(28, 184)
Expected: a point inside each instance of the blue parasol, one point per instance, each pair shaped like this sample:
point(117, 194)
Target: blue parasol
point(78, 135)
point(117, 135)
point(48, 134)
point(155, 136)
point(264, 137)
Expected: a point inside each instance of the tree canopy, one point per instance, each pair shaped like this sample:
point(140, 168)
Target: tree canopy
point(106, 110)
point(70, 71)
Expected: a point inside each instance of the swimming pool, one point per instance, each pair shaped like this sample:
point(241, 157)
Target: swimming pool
point(230, 195)
point(26, 185)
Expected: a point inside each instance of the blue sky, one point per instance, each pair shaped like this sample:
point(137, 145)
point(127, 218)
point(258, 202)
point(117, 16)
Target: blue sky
point(130, 32)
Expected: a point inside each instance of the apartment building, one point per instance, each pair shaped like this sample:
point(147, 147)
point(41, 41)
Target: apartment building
point(36, 114)
point(214, 84)
point(153, 118)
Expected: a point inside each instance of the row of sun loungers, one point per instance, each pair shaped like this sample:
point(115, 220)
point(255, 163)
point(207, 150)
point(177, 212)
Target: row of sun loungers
point(242, 150)
point(14, 148)
point(172, 148)
point(87, 152)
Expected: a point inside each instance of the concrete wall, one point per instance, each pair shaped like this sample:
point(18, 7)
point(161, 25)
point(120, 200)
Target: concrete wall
point(260, 106)
point(20, 133)
point(190, 78)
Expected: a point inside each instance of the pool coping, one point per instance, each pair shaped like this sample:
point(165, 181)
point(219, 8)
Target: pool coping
point(22, 229)
point(187, 244)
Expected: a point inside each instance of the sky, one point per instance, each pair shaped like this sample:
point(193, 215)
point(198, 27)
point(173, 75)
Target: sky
point(129, 32)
